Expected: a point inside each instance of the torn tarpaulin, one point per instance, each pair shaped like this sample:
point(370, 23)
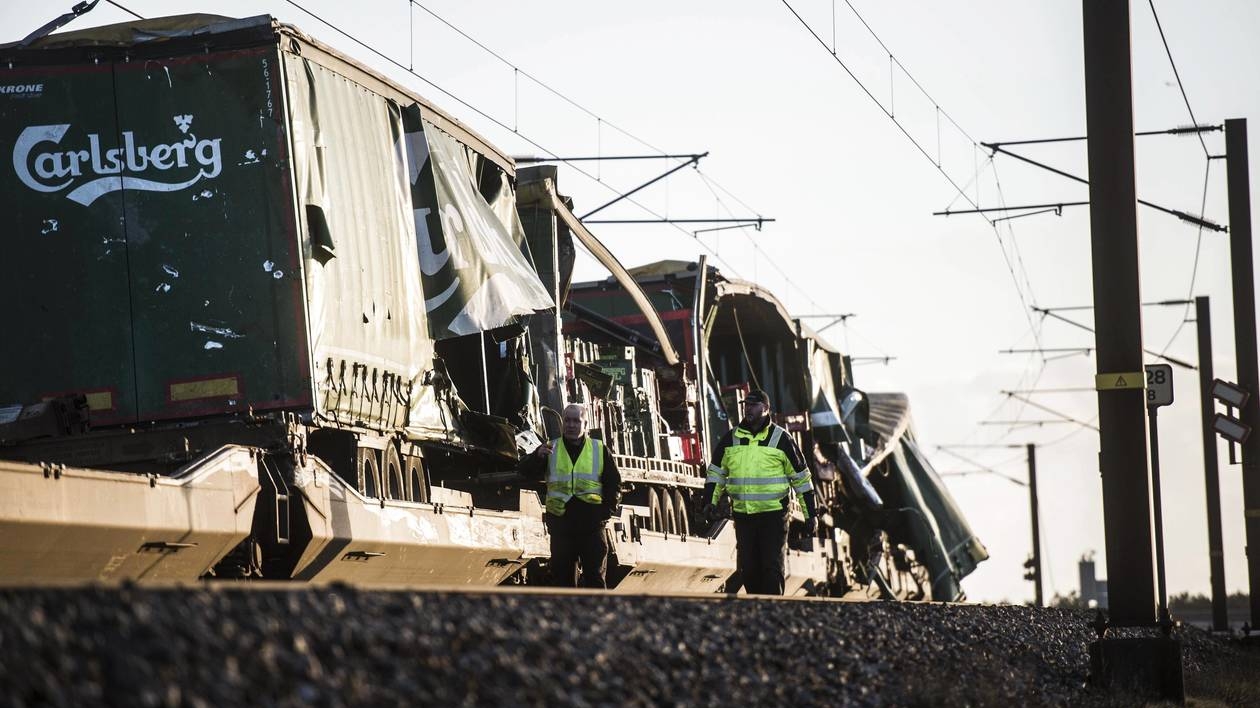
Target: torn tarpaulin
point(474, 275)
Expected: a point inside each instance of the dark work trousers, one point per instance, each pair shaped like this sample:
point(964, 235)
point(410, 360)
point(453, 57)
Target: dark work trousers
point(761, 546)
point(578, 535)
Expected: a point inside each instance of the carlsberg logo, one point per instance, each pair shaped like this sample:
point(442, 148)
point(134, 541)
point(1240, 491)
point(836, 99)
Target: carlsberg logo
point(44, 165)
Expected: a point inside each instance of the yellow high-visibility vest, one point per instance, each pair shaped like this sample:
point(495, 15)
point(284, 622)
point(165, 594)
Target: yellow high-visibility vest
point(756, 473)
point(568, 478)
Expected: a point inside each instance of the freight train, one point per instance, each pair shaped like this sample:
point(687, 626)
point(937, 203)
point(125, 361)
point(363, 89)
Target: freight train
point(272, 315)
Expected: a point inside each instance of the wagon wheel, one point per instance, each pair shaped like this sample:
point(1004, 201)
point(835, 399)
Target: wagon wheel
point(654, 509)
point(367, 464)
point(680, 506)
point(417, 481)
point(668, 512)
point(392, 472)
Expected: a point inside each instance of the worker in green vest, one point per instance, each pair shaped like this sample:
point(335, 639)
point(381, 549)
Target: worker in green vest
point(583, 490)
point(760, 466)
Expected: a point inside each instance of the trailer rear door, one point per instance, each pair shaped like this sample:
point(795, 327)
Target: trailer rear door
point(154, 263)
point(64, 292)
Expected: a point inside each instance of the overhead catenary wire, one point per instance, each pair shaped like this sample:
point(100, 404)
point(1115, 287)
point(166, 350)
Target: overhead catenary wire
point(1047, 312)
point(1194, 268)
point(1057, 211)
point(1070, 435)
point(1190, 218)
point(888, 112)
point(977, 172)
point(1034, 328)
point(1052, 411)
point(542, 84)
point(1027, 423)
point(1200, 222)
point(601, 121)
point(1021, 458)
point(129, 11)
point(1021, 382)
point(1053, 442)
point(1045, 553)
point(498, 122)
point(1065, 389)
point(1159, 26)
point(788, 281)
point(1181, 130)
point(501, 124)
point(1022, 403)
point(986, 448)
point(906, 71)
point(709, 182)
point(982, 469)
point(877, 102)
point(1018, 255)
point(849, 329)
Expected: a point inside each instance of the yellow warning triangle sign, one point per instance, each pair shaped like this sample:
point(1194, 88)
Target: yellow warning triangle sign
point(1120, 381)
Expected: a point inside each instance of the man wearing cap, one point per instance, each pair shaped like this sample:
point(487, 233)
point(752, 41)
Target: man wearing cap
point(759, 465)
point(583, 489)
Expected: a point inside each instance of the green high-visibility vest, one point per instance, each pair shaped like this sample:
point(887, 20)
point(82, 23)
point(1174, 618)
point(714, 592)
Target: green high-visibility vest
point(568, 478)
point(756, 473)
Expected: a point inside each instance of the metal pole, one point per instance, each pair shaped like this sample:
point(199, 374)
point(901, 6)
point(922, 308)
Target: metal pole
point(1113, 231)
point(694, 160)
point(1245, 341)
point(1036, 524)
point(1164, 620)
point(485, 372)
point(701, 352)
point(558, 322)
point(1216, 552)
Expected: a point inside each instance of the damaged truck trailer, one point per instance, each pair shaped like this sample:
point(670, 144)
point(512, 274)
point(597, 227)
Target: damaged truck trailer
point(272, 315)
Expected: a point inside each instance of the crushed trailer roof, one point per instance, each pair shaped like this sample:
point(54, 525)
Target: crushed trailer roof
point(204, 32)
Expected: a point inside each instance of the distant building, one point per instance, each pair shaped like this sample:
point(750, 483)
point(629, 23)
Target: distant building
point(1093, 590)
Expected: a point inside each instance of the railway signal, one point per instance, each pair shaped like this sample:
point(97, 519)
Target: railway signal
point(1232, 429)
point(1230, 394)
point(1032, 572)
point(1226, 424)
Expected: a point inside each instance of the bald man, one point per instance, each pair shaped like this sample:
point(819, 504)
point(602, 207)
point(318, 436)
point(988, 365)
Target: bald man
point(583, 489)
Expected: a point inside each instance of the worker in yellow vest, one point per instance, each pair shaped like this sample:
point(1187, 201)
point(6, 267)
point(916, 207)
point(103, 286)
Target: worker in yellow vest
point(583, 489)
point(759, 465)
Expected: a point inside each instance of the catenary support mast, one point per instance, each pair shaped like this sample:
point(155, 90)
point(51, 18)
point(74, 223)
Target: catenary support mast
point(1118, 316)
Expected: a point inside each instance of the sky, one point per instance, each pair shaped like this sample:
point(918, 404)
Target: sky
point(851, 167)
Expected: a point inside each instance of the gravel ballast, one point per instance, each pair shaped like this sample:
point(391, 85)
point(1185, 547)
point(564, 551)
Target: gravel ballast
point(228, 645)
